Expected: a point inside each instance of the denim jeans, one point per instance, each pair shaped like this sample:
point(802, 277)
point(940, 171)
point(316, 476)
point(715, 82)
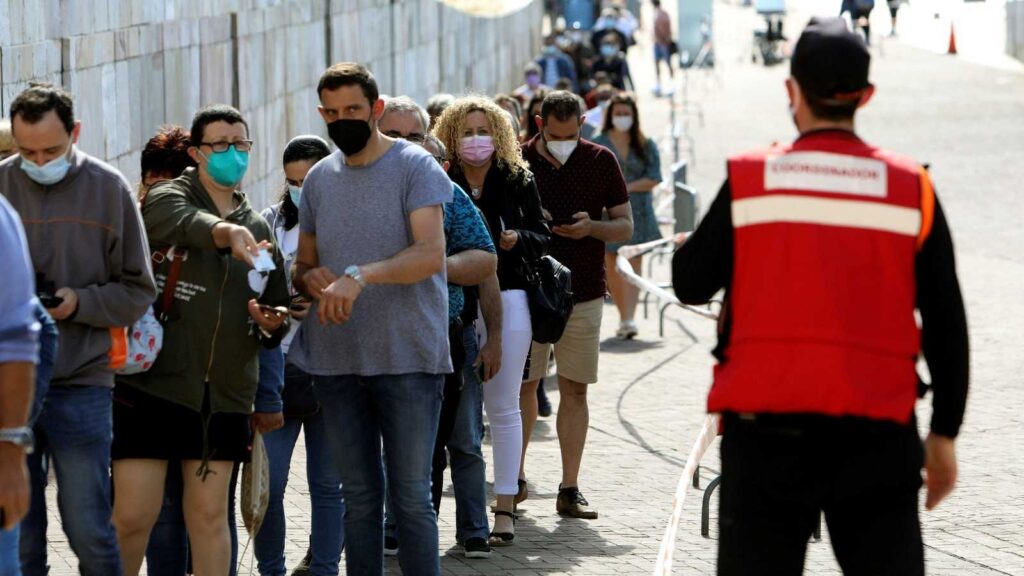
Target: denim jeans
point(75, 429)
point(9, 563)
point(47, 357)
point(360, 411)
point(324, 479)
point(167, 553)
point(468, 467)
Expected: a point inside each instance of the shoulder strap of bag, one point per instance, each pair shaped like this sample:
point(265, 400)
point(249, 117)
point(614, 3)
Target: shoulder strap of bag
point(177, 256)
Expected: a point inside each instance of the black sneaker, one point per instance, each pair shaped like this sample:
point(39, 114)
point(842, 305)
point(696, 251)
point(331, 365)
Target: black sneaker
point(477, 548)
point(302, 569)
point(390, 546)
point(572, 503)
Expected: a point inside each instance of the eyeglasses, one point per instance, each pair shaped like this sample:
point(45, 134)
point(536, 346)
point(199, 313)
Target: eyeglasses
point(240, 145)
point(414, 137)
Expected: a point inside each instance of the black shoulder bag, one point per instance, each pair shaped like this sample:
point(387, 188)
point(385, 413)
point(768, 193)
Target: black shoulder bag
point(549, 292)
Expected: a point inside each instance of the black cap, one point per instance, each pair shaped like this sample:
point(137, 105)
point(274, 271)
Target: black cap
point(831, 62)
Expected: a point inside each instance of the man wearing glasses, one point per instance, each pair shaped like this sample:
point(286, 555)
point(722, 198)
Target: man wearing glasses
point(471, 260)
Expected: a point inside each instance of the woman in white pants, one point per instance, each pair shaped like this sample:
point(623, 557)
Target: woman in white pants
point(488, 163)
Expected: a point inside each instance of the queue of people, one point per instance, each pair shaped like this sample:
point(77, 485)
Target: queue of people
point(381, 307)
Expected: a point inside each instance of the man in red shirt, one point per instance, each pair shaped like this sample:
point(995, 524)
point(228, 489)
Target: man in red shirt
point(578, 181)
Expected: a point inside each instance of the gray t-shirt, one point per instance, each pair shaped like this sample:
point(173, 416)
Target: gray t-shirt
point(361, 215)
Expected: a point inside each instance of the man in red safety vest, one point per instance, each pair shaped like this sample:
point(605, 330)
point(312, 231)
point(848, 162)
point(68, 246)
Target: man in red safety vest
point(825, 247)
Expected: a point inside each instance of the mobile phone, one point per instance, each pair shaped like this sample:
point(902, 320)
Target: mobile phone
point(267, 309)
point(562, 221)
point(45, 290)
point(50, 301)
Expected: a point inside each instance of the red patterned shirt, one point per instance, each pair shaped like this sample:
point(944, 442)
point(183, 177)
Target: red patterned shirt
point(589, 181)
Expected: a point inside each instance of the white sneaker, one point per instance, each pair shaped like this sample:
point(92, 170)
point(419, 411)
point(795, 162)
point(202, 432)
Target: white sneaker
point(627, 330)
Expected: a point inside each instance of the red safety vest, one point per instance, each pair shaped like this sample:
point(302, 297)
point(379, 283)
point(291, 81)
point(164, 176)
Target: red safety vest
point(823, 290)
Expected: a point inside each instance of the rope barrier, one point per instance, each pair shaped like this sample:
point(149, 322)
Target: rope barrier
point(626, 271)
point(708, 432)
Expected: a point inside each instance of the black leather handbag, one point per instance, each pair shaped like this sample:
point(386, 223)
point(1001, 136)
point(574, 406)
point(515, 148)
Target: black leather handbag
point(549, 293)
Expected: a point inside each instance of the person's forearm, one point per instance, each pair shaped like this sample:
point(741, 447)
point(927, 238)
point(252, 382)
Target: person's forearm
point(471, 267)
point(615, 230)
point(490, 306)
point(414, 264)
point(222, 234)
point(642, 185)
point(17, 387)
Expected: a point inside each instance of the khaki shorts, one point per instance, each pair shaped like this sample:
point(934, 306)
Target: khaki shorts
point(576, 352)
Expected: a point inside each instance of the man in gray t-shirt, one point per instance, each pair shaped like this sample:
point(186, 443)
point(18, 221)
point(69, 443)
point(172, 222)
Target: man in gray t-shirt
point(359, 215)
point(372, 257)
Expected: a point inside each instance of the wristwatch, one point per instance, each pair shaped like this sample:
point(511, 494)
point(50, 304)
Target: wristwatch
point(354, 273)
point(19, 437)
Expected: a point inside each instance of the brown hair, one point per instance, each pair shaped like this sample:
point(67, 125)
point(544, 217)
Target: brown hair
point(166, 153)
point(349, 74)
point(637, 140)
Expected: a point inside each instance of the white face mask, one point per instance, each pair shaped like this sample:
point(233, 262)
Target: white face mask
point(561, 149)
point(622, 123)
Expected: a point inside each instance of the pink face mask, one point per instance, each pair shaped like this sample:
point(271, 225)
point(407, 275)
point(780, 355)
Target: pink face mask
point(476, 150)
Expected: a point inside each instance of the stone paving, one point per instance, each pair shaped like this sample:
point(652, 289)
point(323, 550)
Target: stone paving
point(968, 122)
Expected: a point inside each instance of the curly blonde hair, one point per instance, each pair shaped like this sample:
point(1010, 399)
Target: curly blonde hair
point(506, 146)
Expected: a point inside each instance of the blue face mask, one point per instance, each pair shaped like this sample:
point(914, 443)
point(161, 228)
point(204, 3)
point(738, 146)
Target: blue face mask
point(295, 193)
point(607, 50)
point(50, 173)
point(227, 168)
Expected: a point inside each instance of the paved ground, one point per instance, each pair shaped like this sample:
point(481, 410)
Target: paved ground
point(968, 122)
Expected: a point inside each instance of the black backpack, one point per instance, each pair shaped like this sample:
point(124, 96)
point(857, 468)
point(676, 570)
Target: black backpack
point(550, 298)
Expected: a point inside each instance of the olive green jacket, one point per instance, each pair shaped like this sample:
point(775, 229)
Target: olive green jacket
point(209, 336)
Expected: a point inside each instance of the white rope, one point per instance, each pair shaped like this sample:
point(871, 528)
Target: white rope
point(626, 271)
point(663, 566)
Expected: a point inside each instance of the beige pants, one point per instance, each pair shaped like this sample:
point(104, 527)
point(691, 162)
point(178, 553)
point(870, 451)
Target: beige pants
point(576, 352)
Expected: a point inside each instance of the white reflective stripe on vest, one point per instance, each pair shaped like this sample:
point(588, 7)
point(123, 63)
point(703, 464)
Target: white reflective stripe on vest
point(826, 212)
point(825, 172)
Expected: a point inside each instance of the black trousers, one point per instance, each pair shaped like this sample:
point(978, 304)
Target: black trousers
point(449, 410)
point(779, 473)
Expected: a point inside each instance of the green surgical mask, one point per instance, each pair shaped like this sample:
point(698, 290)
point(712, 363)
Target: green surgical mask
point(227, 168)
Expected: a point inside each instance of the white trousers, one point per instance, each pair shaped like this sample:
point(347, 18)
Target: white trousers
point(501, 393)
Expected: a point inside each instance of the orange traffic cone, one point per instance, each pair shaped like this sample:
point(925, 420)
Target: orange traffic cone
point(952, 39)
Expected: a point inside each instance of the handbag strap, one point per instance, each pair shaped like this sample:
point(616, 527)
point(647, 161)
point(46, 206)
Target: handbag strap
point(177, 257)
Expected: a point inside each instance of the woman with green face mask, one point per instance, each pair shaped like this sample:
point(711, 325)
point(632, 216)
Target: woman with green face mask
point(194, 405)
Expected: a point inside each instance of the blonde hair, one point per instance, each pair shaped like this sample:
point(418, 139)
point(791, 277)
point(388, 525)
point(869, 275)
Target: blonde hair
point(506, 145)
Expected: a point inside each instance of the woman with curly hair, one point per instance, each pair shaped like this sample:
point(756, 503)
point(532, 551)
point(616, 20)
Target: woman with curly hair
point(641, 166)
point(487, 162)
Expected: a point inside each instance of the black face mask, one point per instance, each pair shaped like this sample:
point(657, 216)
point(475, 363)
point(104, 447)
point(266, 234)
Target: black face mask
point(349, 135)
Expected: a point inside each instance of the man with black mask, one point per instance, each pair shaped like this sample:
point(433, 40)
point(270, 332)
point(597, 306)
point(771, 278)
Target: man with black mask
point(372, 258)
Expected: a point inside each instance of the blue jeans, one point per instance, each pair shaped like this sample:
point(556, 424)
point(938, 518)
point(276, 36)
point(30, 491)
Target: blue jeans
point(465, 457)
point(9, 563)
point(468, 467)
point(47, 357)
point(168, 550)
point(403, 410)
point(75, 428)
point(328, 530)
point(167, 553)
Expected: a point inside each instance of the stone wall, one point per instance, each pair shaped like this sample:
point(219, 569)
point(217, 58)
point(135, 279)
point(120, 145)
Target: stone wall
point(136, 64)
point(1015, 29)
